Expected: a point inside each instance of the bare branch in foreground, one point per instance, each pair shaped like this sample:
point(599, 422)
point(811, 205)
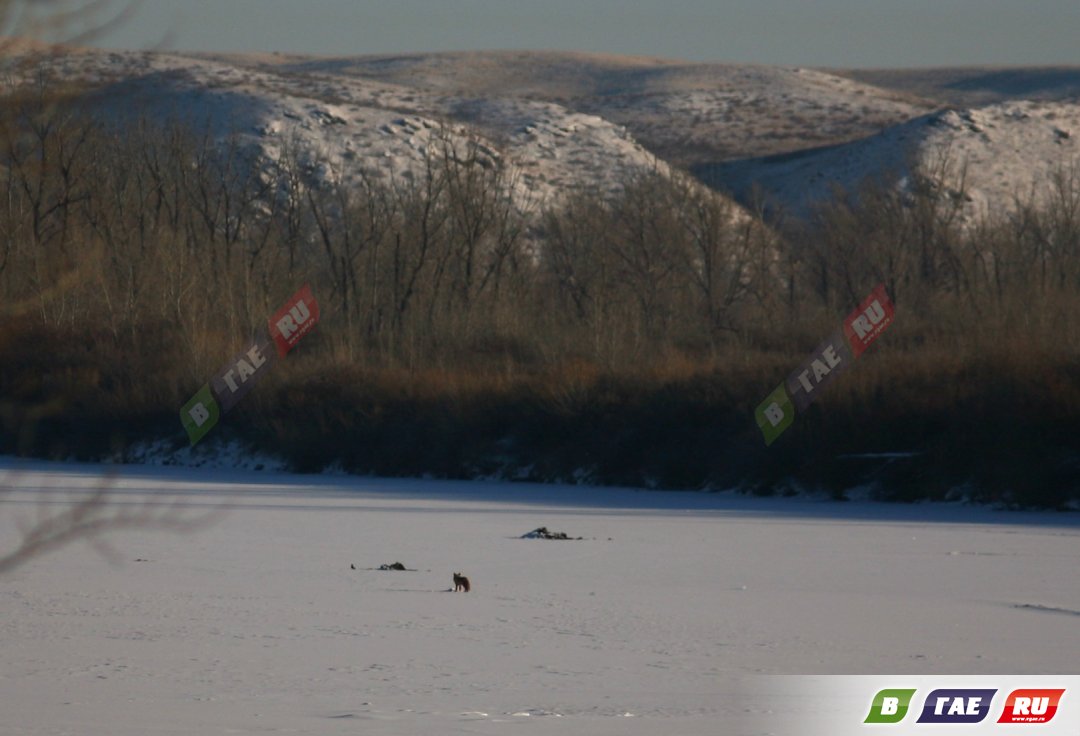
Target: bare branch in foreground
point(92, 518)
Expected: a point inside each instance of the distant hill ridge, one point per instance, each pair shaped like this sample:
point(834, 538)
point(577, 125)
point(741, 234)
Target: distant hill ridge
point(1006, 152)
point(569, 120)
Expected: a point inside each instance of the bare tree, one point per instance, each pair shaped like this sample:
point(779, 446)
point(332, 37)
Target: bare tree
point(728, 256)
point(91, 520)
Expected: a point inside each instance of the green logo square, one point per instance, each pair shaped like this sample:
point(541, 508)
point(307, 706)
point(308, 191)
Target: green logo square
point(775, 414)
point(889, 706)
point(200, 414)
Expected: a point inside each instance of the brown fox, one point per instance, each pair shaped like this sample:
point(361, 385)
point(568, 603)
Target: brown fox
point(461, 583)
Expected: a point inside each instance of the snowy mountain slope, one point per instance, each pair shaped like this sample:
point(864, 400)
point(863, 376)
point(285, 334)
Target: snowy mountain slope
point(353, 125)
point(1009, 150)
point(739, 111)
point(685, 113)
point(563, 121)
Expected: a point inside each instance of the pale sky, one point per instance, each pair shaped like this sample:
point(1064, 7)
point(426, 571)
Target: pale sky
point(847, 33)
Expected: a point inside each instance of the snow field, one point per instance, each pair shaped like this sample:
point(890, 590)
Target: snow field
point(656, 621)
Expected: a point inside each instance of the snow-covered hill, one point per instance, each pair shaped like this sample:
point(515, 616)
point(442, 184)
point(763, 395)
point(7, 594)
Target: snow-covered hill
point(350, 125)
point(685, 113)
point(559, 122)
point(1003, 152)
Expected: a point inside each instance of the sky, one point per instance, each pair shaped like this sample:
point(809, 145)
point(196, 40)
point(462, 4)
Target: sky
point(836, 33)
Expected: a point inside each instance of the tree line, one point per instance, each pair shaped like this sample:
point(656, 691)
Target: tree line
point(158, 248)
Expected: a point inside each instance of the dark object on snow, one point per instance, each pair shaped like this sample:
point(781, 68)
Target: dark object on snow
point(393, 566)
point(461, 583)
point(352, 567)
point(543, 533)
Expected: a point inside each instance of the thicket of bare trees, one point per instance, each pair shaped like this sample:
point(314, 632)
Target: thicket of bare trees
point(1007, 276)
point(145, 254)
point(120, 229)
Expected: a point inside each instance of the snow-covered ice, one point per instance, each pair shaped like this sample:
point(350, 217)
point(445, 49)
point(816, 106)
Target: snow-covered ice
point(656, 622)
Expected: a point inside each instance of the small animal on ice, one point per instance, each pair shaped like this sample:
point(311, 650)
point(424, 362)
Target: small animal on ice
point(461, 583)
